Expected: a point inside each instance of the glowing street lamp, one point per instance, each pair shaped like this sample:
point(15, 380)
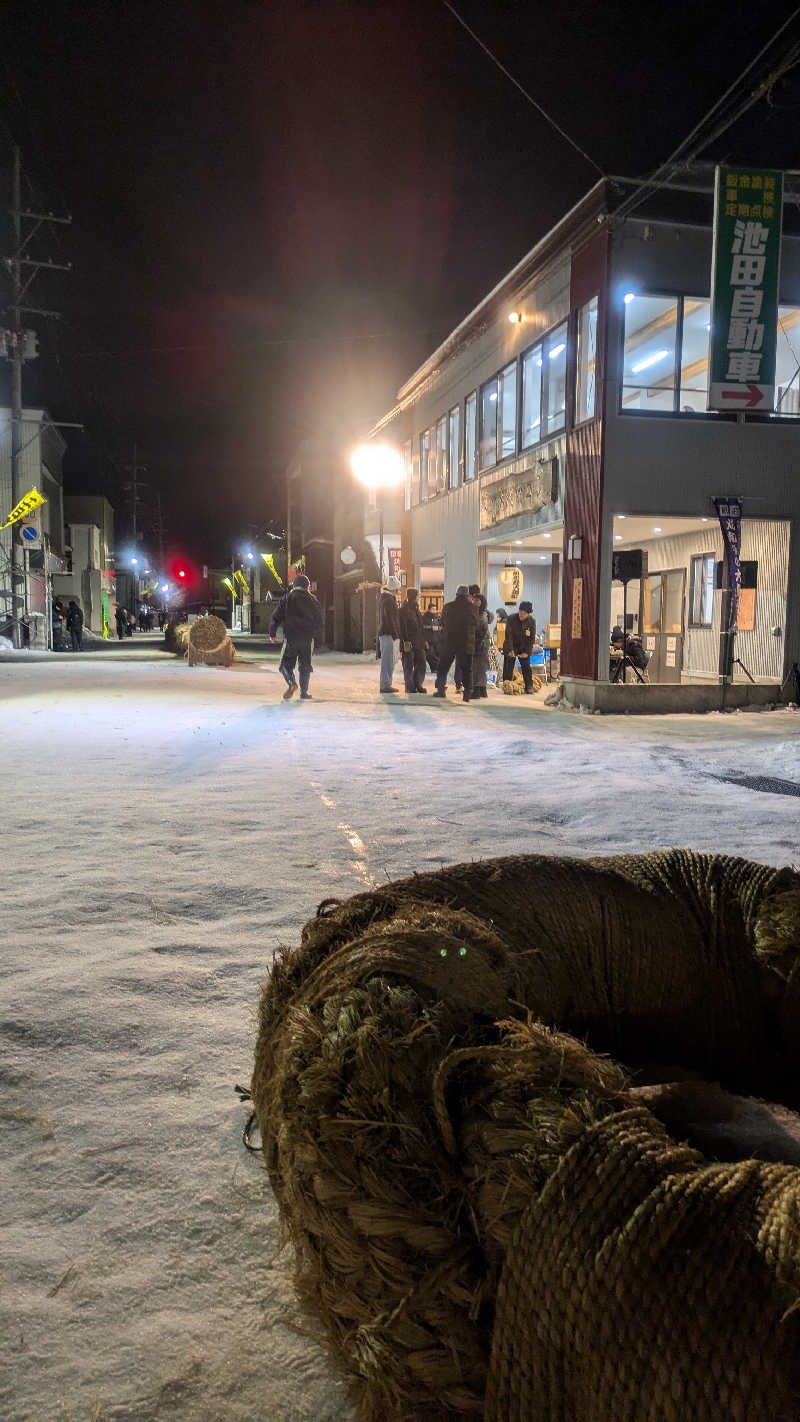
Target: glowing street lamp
point(378, 467)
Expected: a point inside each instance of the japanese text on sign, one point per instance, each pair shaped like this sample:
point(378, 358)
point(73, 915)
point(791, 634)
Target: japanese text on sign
point(748, 209)
point(26, 505)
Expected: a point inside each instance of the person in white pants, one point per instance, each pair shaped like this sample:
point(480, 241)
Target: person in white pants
point(388, 632)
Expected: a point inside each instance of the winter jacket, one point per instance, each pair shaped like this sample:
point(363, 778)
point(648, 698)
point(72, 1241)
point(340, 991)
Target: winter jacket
point(411, 628)
point(74, 618)
point(520, 636)
point(300, 615)
point(480, 661)
point(389, 625)
point(460, 626)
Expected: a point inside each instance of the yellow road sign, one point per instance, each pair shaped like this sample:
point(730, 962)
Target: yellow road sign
point(31, 501)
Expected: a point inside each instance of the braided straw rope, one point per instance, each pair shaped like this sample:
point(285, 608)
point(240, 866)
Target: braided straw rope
point(486, 1222)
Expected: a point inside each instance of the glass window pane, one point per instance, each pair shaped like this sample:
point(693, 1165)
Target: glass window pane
point(701, 590)
point(454, 445)
point(441, 453)
point(508, 410)
point(427, 460)
point(648, 379)
point(470, 435)
point(694, 355)
point(652, 603)
point(586, 362)
point(488, 446)
point(673, 602)
point(407, 474)
point(787, 364)
point(554, 390)
point(415, 491)
point(532, 397)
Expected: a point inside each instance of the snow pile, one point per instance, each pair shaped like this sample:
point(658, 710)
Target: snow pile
point(165, 829)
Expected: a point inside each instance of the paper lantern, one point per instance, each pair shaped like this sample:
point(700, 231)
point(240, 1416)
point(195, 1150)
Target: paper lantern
point(509, 582)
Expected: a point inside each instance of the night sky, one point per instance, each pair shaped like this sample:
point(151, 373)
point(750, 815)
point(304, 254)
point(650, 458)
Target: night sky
point(280, 209)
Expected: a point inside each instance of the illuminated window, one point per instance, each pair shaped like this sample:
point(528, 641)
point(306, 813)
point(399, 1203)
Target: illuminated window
point(648, 379)
point(454, 445)
point(441, 454)
point(701, 590)
point(507, 419)
point(470, 435)
point(532, 397)
point(787, 363)
point(488, 444)
point(586, 362)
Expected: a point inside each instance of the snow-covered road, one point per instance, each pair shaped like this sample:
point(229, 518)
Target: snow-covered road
point(164, 829)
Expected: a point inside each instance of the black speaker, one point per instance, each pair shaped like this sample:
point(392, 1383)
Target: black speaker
point(627, 564)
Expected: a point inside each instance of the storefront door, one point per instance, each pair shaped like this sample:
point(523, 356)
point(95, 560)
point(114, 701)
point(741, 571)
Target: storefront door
point(662, 623)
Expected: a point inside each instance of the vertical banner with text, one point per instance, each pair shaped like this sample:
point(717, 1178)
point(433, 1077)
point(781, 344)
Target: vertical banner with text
point(748, 211)
point(729, 513)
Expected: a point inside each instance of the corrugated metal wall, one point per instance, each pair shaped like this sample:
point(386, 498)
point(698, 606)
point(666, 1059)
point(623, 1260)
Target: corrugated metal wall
point(767, 542)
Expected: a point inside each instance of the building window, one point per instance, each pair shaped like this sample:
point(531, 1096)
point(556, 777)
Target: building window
point(408, 481)
point(454, 445)
point(701, 590)
point(470, 435)
point(648, 379)
point(507, 422)
point(427, 464)
point(488, 445)
point(415, 480)
point(441, 454)
point(554, 385)
point(544, 387)
point(586, 363)
point(532, 397)
point(787, 363)
point(695, 326)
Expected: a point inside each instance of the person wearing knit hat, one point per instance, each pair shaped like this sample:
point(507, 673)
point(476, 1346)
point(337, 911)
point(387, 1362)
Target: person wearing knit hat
point(300, 615)
point(518, 644)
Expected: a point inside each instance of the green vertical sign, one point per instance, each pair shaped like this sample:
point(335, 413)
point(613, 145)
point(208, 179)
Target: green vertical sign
point(748, 210)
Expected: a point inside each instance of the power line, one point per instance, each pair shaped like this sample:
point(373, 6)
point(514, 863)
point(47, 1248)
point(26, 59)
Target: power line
point(663, 173)
point(535, 104)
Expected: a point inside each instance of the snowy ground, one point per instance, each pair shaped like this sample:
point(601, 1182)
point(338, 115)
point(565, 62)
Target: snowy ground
point(166, 827)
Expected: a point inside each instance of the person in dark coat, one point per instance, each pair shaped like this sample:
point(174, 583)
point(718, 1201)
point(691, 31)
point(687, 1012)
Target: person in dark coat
point(459, 631)
point(75, 625)
point(480, 662)
point(432, 627)
point(300, 616)
point(121, 619)
point(58, 625)
point(518, 645)
point(412, 641)
point(388, 632)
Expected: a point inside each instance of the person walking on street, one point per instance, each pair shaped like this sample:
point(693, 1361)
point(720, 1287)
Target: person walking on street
point(388, 632)
point(519, 642)
point(412, 639)
point(121, 619)
point(75, 625)
point(459, 632)
point(300, 616)
point(480, 662)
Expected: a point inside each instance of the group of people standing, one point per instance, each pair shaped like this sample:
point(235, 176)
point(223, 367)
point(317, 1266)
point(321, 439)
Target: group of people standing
point(462, 641)
point(69, 619)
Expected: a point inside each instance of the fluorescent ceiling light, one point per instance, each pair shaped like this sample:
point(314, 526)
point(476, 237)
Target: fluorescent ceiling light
point(547, 535)
point(657, 528)
point(648, 361)
point(517, 540)
point(617, 537)
point(493, 397)
point(562, 347)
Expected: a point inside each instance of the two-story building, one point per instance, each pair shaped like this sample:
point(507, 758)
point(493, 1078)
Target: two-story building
point(565, 419)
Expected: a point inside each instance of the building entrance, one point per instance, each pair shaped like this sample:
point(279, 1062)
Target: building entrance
point(663, 602)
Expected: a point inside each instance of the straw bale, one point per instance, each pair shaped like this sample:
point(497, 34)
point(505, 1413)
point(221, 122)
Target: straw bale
point(490, 1218)
point(208, 643)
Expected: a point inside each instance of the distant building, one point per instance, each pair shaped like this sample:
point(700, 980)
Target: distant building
point(25, 599)
point(89, 577)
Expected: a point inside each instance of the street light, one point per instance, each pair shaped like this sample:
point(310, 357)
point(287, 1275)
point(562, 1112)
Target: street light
point(378, 467)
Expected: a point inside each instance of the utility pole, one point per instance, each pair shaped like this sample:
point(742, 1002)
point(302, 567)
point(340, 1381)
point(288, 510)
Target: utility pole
point(135, 469)
point(160, 530)
point(21, 345)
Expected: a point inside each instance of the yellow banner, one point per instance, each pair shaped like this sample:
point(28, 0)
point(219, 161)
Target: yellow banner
point(241, 580)
point(270, 562)
point(26, 505)
point(229, 585)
